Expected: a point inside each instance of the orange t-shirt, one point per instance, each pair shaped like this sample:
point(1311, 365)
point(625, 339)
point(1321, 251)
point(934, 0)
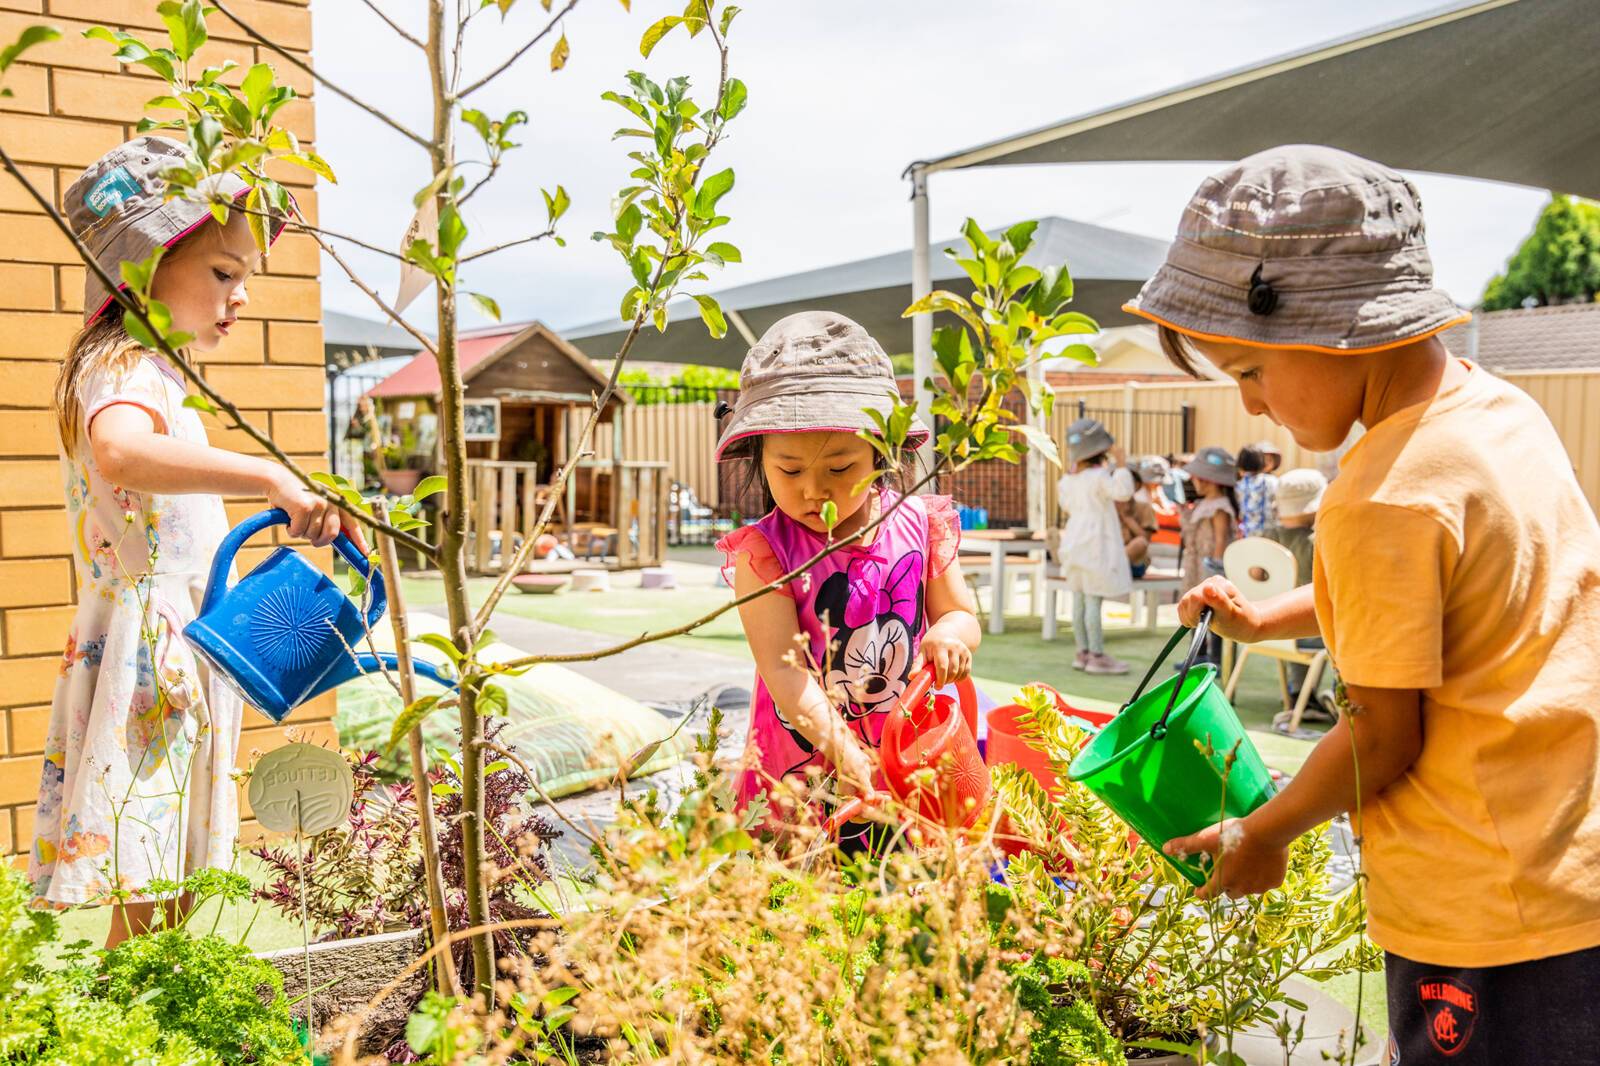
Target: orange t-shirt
point(1457, 555)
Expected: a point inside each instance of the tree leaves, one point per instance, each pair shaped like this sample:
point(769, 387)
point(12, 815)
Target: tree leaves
point(486, 304)
point(560, 53)
point(711, 313)
point(186, 25)
point(657, 30)
point(29, 38)
point(411, 717)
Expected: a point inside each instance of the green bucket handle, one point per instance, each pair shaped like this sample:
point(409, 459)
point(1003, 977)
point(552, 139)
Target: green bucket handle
point(1158, 731)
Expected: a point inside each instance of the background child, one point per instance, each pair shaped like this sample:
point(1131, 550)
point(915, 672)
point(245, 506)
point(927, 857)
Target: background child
point(1256, 492)
point(1456, 582)
point(870, 614)
point(1094, 561)
point(136, 783)
point(1208, 526)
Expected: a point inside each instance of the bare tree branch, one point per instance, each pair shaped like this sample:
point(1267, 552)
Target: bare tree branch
point(300, 223)
point(394, 316)
point(216, 399)
point(392, 123)
point(518, 54)
point(651, 638)
point(395, 26)
point(551, 232)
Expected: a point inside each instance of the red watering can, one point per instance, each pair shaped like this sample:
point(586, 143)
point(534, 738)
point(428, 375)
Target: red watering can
point(928, 734)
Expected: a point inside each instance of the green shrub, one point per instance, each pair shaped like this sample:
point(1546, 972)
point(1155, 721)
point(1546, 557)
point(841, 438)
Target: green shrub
point(208, 990)
point(1069, 1032)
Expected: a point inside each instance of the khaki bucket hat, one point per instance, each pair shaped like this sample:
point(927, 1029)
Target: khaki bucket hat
point(1087, 438)
point(812, 372)
point(1213, 464)
point(1301, 246)
point(118, 208)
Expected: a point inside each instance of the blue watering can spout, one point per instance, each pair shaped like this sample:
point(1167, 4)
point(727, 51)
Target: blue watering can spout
point(285, 632)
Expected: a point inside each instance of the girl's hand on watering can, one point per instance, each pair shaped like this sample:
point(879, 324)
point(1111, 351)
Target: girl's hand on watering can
point(310, 516)
point(1242, 864)
point(949, 656)
point(1232, 616)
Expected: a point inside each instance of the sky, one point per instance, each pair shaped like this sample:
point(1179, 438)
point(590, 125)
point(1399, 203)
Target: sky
point(843, 94)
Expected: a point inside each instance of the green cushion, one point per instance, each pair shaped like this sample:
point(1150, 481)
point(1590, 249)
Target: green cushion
point(572, 732)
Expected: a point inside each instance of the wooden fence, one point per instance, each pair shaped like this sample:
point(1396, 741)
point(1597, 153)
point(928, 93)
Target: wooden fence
point(504, 500)
point(683, 435)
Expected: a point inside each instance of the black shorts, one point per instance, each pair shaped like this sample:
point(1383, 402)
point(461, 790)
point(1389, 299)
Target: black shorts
point(1540, 1013)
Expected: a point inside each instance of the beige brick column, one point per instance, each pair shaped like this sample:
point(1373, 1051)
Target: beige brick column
point(72, 103)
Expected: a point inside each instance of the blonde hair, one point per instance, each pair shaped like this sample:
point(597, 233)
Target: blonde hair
point(101, 345)
point(104, 345)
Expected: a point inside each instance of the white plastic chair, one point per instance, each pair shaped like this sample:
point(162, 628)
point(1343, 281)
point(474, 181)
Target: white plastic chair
point(1260, 569)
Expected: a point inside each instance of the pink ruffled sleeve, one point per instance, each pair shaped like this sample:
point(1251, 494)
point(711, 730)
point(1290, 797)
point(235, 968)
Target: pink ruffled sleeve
point(944, 533)
point(750, 543)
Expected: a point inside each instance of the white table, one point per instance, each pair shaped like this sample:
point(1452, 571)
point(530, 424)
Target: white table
point(995, 545)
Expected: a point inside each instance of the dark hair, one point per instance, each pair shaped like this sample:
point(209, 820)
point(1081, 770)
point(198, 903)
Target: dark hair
point(752, 477)
point(1179, 351)
point(1251, 460)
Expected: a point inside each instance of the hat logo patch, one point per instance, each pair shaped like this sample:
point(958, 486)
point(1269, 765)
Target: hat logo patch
point(1451, 1008)
point(113, 188)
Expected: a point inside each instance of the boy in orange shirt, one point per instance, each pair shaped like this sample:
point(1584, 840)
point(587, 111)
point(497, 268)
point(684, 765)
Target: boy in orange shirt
point(1457, 585)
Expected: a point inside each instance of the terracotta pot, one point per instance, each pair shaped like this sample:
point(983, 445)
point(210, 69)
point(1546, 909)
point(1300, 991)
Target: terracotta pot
point(399, 482)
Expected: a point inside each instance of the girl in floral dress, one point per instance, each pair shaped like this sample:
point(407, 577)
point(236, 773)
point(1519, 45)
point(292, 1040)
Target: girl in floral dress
point(835, 647)
point(136, 790)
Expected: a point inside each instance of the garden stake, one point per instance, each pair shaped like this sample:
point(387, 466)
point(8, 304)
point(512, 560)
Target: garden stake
point(305, 921)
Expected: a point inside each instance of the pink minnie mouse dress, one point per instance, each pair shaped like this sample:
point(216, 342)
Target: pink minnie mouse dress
point(867, 599)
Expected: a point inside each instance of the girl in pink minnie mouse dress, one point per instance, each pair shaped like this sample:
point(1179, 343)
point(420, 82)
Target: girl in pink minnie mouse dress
point(864, 618)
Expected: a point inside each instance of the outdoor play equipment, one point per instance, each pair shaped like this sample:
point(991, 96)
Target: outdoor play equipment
point(1176, 759)
point(923, 733)
point(285, 632)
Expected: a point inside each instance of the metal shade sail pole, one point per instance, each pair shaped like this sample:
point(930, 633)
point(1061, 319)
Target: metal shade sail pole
point(921, 325)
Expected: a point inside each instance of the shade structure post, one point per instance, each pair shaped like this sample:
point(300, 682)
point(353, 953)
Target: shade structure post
point(1037, 467)
point(921, 325)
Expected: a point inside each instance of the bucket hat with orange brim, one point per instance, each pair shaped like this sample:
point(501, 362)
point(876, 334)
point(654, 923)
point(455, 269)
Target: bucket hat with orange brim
point(812, 372)
point(1301, 246)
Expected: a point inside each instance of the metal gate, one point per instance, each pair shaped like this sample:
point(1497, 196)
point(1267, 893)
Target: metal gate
point(346, 453)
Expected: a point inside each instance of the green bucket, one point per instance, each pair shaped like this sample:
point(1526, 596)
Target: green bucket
point(1159, 764)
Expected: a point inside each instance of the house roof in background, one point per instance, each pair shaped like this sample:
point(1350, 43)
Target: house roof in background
point(478, 348)
point(1108, 266)
point(340, 330)
point(1561, 337)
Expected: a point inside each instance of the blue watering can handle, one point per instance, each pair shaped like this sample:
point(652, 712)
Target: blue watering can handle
point(276, 516)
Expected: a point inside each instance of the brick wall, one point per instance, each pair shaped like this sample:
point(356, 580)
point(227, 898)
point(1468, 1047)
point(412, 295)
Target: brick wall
point(72, 103)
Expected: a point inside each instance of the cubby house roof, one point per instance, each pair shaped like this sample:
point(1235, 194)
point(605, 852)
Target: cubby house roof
point(545, 366)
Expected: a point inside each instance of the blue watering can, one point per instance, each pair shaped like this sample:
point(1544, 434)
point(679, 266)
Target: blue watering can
point(283, 633)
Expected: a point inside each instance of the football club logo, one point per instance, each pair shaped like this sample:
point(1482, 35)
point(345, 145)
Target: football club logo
point(1450, 1008)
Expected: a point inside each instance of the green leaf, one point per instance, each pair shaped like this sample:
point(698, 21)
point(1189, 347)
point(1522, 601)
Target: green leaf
point(728, 14)
point(734, 99)
point(496, 766)
point(1038, 440)
point(556, 206)
point(478, 121)
point(257, 88)
point(311, 161)
point(186, 25)
point(424, 1030)
point(138, 332)
point(1020, 235)
point(712, 189)
point(441, 643)
point(452, 231)
point(711, 313)
point(486, 305)
point(830, 514)
point(201, 404)
point(1083, 353)
point(720, 252)
point(260, 226)
point(492, 701)
point(410, 718)
point(656, 31)
point(629, 221)
point(33, 35)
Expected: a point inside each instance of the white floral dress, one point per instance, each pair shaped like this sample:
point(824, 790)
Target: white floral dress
point(137, 781)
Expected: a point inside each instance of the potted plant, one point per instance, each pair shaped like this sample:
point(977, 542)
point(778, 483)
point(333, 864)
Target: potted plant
point(401, 466)
point(1167, 974)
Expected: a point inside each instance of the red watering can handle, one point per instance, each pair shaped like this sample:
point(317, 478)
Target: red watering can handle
point(915, 694)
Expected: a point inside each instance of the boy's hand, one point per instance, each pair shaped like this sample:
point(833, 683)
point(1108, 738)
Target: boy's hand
point(1232, 616)
point(1243, 864)
point(950, 658)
